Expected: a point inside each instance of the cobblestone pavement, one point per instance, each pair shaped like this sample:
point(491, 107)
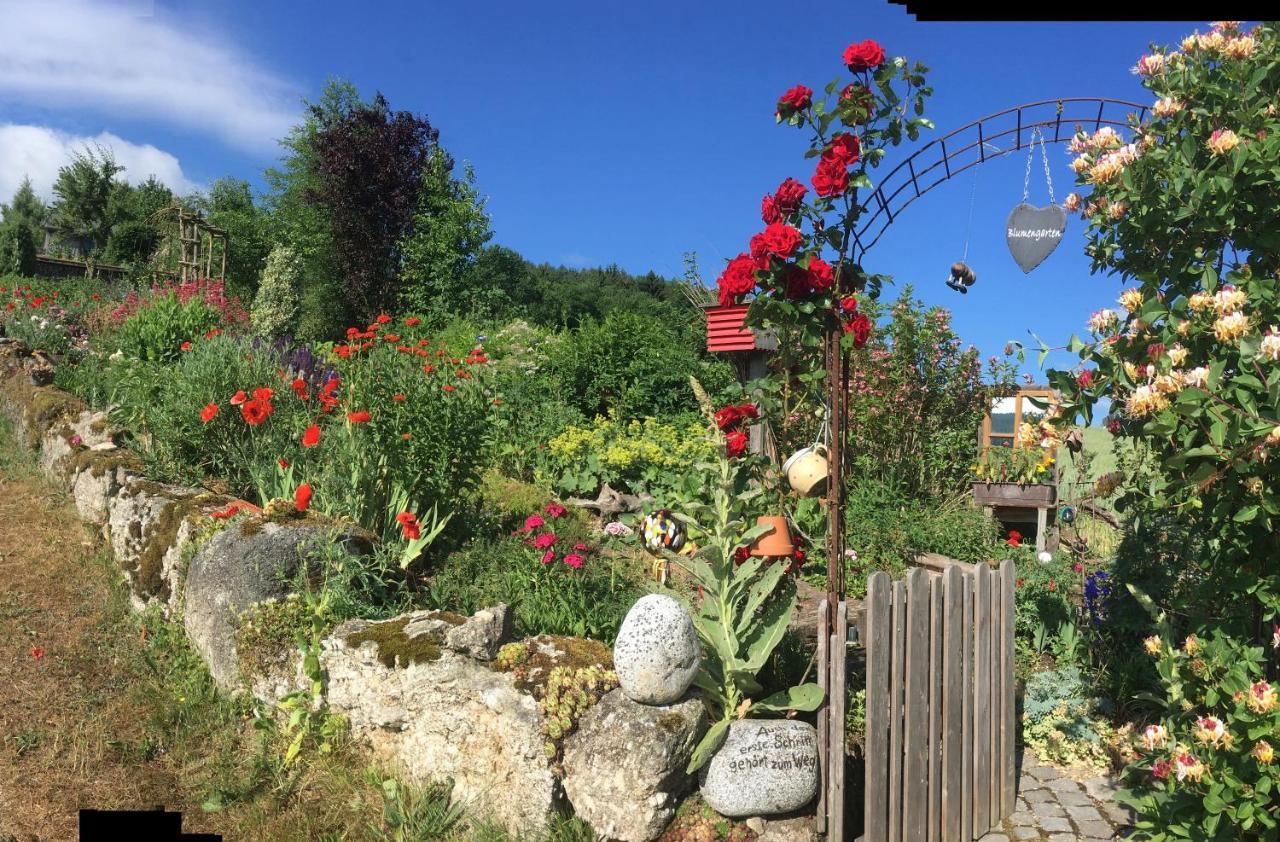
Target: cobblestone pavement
point(1056, 807)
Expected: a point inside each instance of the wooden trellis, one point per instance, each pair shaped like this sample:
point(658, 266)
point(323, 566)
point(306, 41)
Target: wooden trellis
point(195, 247)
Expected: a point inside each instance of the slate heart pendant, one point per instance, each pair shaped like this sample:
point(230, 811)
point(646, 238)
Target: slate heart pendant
point(1033, 233)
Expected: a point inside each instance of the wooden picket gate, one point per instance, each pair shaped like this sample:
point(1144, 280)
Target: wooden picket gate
point(940, 704)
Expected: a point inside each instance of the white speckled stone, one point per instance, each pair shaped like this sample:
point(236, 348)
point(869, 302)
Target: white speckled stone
point(656, 654)
point(765, 767)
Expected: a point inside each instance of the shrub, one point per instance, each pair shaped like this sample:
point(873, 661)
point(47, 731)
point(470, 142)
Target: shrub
point(1060, 719)
point(637, 455)
point(275, 308)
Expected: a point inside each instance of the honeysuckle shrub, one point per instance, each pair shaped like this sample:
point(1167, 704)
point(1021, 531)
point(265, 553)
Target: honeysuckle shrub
point(1183, 210)
point(1185, 213)
point(1206, 767)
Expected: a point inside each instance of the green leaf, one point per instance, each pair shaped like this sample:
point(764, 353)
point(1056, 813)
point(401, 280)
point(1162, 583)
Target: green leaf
point(710, 744)
point(805, 697)
point(760, 591)
point(768, 632)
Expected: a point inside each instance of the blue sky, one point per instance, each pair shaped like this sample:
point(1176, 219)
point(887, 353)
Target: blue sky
point(601, 132)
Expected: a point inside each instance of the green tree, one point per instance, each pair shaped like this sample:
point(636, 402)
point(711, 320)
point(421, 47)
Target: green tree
point(449, 229)
point(21, 230)
point(230, 205)
point(82, 194)
point(303, 225)
point(133, 233)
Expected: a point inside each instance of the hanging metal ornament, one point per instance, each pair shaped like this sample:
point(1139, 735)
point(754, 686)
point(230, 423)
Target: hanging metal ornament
point(1031, 232)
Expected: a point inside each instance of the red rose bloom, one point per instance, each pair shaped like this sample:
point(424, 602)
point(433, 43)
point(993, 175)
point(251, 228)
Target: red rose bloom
point(821, 277)
point(788, 197)
point(845, 148)
point(831, 177)
point(781, 239)
point(1015, 538)
point(302, 497)
point(312, 436)
point(735, 444)
point(256, 411)
point(728, 417)
point(867, 55)
point(849, 304)
point(207, 414)
point(796, 99)
point(737, 280)
point(860, 327)
point(360, 416)
point(796, 281)
point(769, 209)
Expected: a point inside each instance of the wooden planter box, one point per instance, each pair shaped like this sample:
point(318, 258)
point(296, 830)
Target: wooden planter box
point(1014, 494)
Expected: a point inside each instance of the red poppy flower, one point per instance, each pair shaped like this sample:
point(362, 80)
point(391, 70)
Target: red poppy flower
point(283, 463)
point(398, 397)
point(207, 414)
point(405, 436)
point(263, 394)
point(223, 514)
point(256, 411)
point(382, 319)
point(238, 398)
point(36, 653)
point(185, 346)
point(360, 416)
point(311, 437)
point(409, 525)
point(302, 497)
point(330, 386)
point(428, 368)
point(412, 321)
point(448, 388)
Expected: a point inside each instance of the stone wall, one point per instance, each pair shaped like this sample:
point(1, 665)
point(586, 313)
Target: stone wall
point(421, 691)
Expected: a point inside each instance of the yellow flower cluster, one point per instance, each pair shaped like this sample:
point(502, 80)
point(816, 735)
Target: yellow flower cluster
point(1144, 401)
point(1131, 299)
point(1231, 327)
point(634, 445)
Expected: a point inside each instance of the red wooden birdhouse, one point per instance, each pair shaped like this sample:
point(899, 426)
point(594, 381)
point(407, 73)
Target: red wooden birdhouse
point(726, 331)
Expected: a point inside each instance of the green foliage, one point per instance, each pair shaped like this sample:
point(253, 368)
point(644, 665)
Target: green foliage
point(230, 205)
point(545, 598)
point(1207, 769)
point(157, 332)
point(1061, 721)
point(631, 365)
point(449, 229)
point(131, 242)
point(640, 455)
point(410, 815)
point(745, 609)
point(275, 308)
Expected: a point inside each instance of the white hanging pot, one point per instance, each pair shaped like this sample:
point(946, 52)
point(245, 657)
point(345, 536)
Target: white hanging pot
point(807, 470)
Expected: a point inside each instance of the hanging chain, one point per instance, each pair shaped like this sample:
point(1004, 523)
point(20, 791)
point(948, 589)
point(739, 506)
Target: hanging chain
point(1044, 156)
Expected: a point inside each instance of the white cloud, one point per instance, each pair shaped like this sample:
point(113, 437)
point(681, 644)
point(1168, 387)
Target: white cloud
point(38, 152)
point(575, 260)
point(108, 58)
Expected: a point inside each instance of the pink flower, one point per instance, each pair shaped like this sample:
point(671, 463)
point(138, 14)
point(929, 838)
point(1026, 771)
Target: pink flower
point(573, 560)
point(1162, 769)
point(555, 509)
point(580, 547)
point(532, 522)
point(549, 556)
point(544, 540)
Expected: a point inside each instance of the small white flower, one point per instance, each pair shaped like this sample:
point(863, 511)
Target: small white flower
point(1045, 557)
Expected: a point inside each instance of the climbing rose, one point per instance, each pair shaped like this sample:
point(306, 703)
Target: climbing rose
point(207, 414)
point(312, 436)
point(360, 416)
point(302, 497)
point(738, 279)
point(820, 276)
point(845, 148)
point(849, 304)
point(795, 99)
point(867, 55)
point(736, 444)
point(781, 239)
point(830, 178)
point(789, 196)
point(860, 327)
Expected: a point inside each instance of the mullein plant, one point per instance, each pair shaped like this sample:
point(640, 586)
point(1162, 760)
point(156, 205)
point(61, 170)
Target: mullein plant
point(746, 602)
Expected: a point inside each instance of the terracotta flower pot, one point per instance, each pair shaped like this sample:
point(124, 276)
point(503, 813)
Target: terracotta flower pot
point(775, 544)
